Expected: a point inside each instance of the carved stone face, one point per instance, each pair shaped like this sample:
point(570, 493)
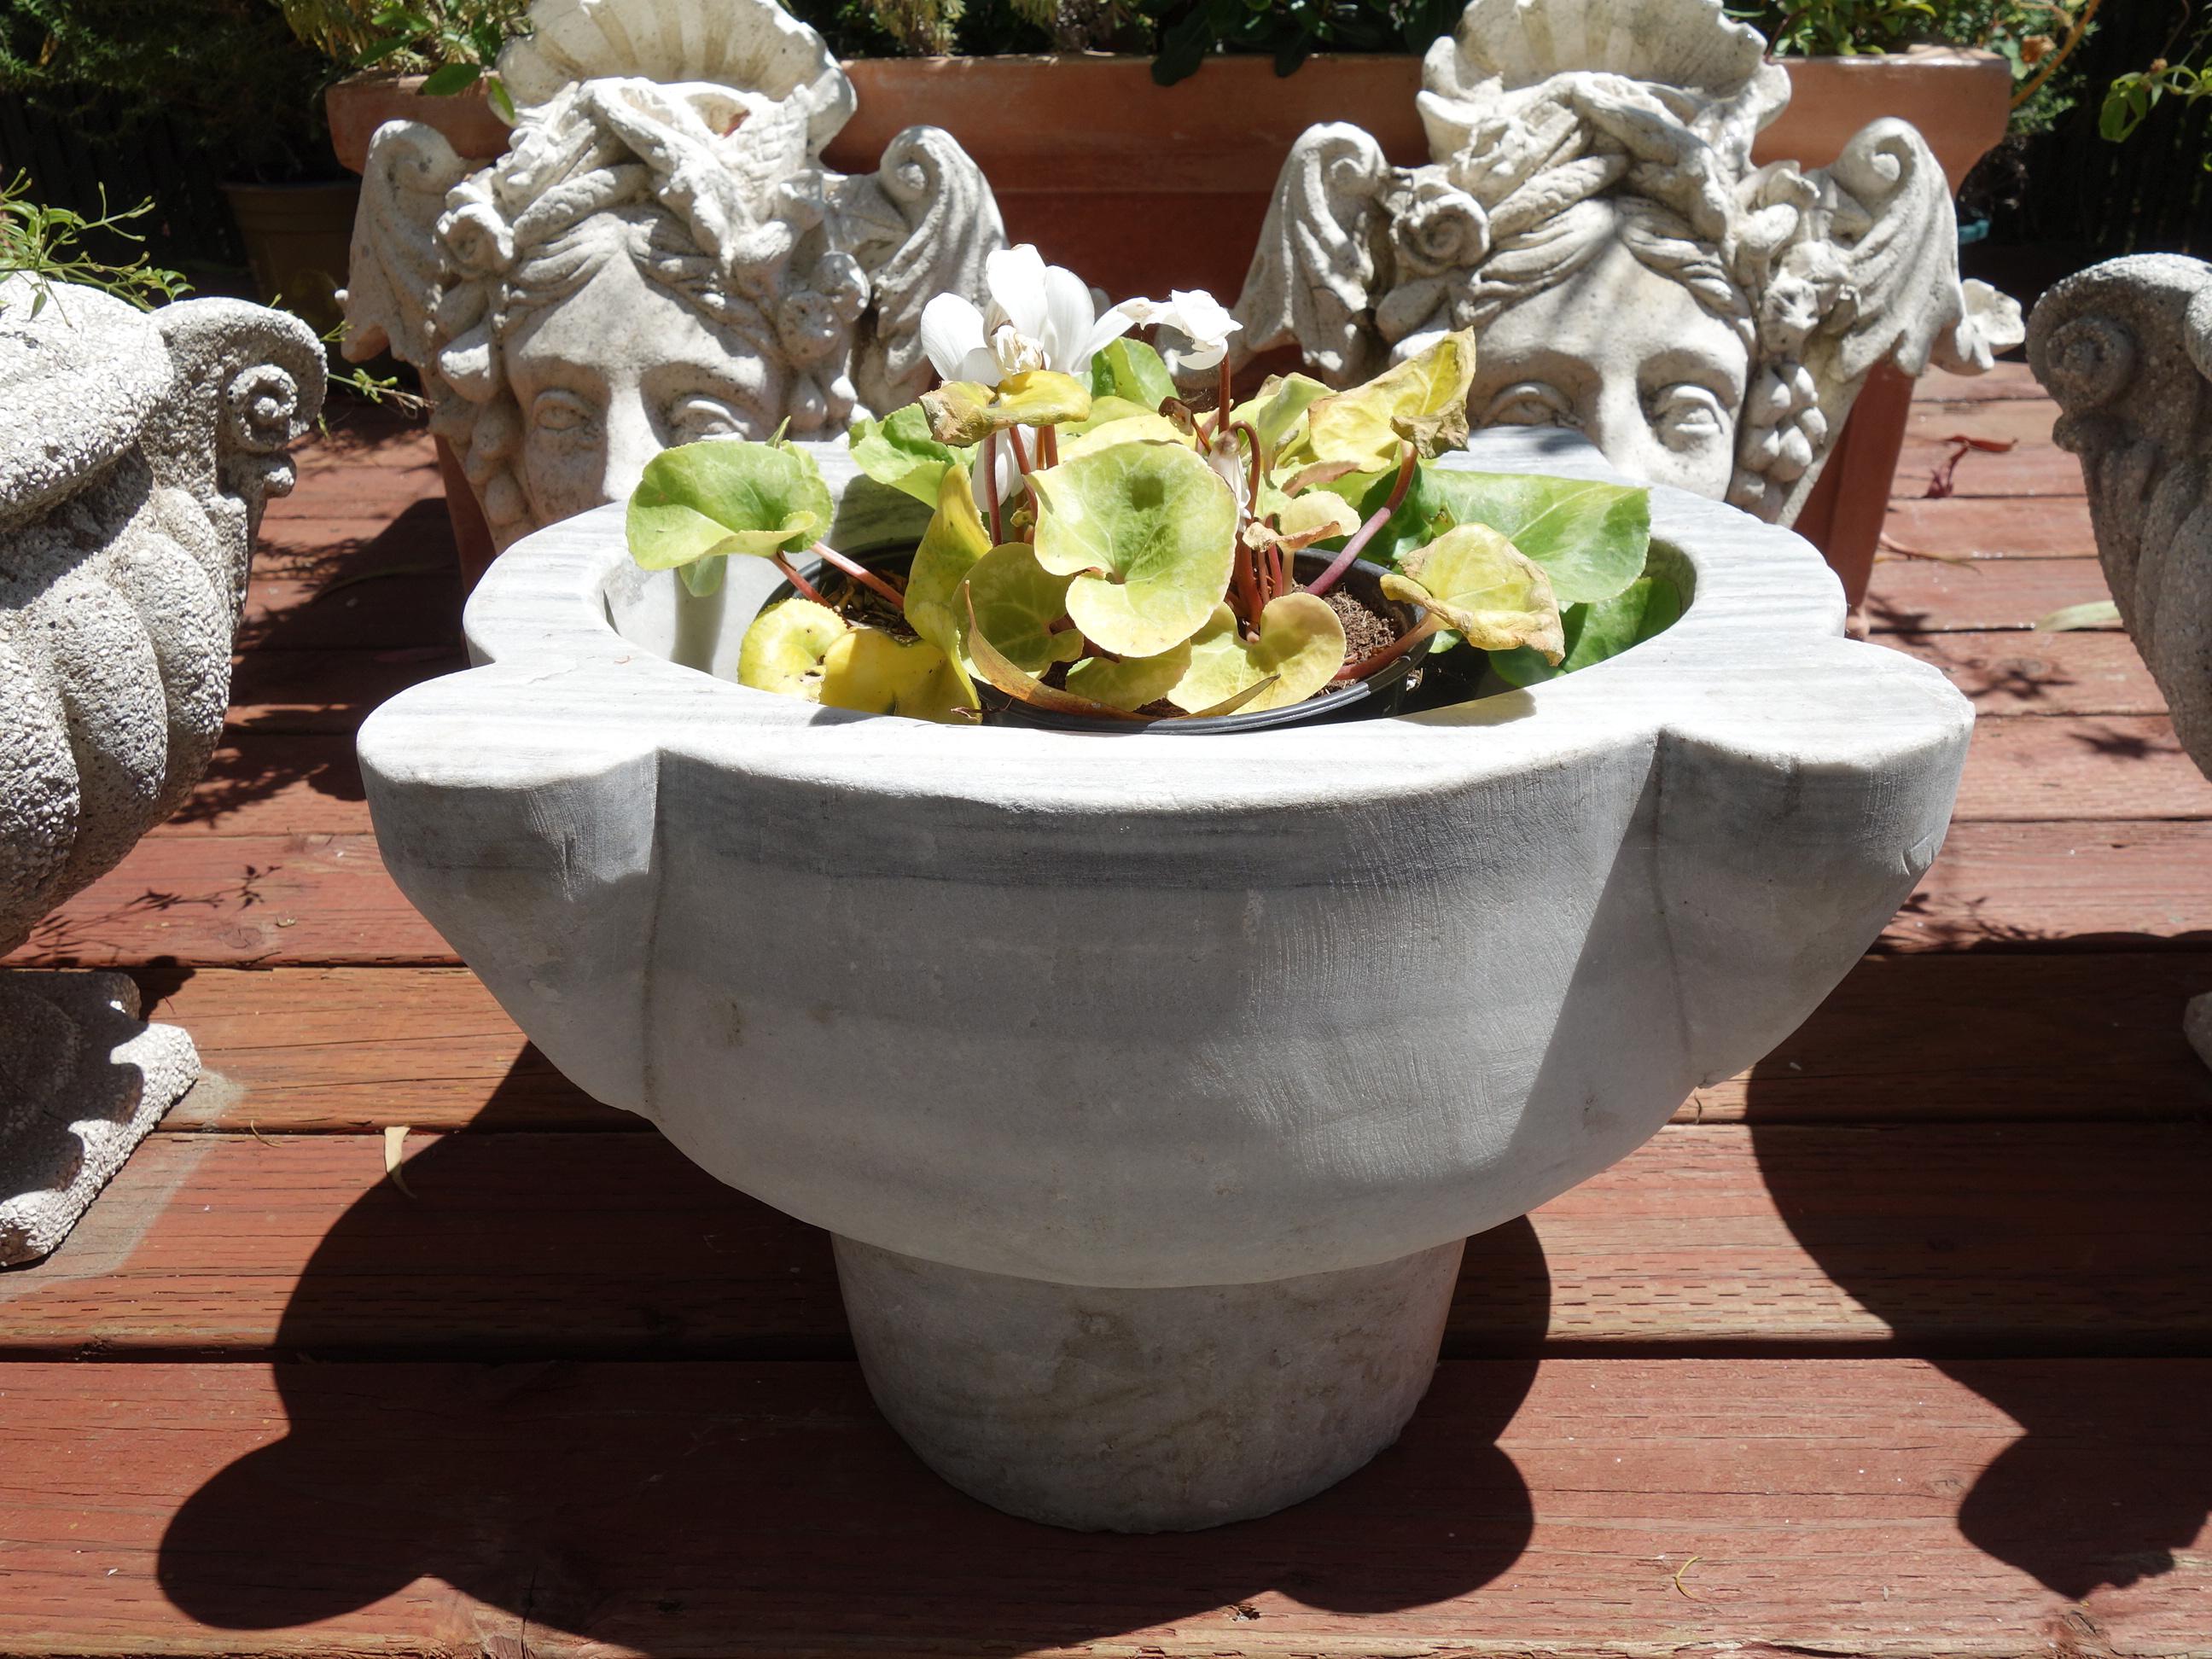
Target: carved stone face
point(1629, 359)
point(621, 370)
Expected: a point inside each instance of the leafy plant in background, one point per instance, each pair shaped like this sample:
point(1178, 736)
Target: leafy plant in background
point(456, 43)
point(2037, 37)
point(44, 244)
point(225, 79)
point(1187, 30)
point(1099, 548)
point(2181, 73)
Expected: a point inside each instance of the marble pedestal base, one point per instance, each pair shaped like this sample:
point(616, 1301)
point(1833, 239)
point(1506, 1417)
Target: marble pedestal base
point(1145, 1410)
point(83, 1080)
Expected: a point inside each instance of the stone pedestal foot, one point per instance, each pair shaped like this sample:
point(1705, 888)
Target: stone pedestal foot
point(1145, 1410)
point(82, 1080)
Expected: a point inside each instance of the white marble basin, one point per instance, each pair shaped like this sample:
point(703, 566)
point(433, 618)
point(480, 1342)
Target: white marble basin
point(1154, 1012)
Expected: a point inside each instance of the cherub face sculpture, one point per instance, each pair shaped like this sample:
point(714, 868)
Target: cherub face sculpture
point(1592, 212)
point(656, 259)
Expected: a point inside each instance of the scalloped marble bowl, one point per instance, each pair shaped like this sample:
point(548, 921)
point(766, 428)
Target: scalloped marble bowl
point(1151, 1086)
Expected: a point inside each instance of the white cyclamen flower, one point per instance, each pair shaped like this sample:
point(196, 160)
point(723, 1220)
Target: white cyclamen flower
point(1040, 316)
point(1195, 315)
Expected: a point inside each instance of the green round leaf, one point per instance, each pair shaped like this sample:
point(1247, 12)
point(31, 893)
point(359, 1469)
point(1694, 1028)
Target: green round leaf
point(783, 649)
point(1479, 583)
point(1133, 682)
point(1647, 606)
point(869, 670)
point(1016, 601)
point(725, 495)
point(899, 451)
point(1591, 538)
point(1148, 531)
point(1422, 401)
point(1300, 647)
point(955, 540)
point(1129, 429)
point(1130, 370)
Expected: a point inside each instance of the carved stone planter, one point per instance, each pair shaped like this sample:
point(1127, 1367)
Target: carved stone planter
point(2126, 349)
point(1151, 1086)
point(142, 449)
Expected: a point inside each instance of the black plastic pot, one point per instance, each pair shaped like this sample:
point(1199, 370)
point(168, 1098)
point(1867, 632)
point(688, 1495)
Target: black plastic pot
point(1381, 693)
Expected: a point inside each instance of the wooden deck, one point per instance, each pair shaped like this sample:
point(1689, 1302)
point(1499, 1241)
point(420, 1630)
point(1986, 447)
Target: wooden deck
point(1899, 1344)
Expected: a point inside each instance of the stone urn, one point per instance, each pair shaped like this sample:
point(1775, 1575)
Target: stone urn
point(2126, 349)
point(1151, 1084)
point(142, 448)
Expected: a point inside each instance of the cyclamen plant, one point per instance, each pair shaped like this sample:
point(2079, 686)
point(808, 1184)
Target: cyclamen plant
point(1099, 548)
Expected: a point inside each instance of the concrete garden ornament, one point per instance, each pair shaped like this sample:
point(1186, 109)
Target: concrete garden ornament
point(2126, 349)
point(142, 448)
point(660, 256)
point(1591, 211)
point(1151, 1084)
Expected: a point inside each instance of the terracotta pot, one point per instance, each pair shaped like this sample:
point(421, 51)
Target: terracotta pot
point(1143, 187)
point(297, 238)
point(358, 106)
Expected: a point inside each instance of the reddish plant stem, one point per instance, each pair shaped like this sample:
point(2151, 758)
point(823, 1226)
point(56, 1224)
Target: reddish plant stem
point(799, 585)
point(1430, 624)
point(1366, 532)
point(1228, 400)
point(859, 572)
point(1021, 450)
point(1277, 583)
point(1247, 581)
point(1048, 445)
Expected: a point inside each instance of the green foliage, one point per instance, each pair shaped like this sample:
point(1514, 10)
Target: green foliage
point(899, 451)
point(1147, 565)
point(1481, 586)
point(700, 503)
point(2028, 33)
point(1645, 608)
point(457, 42)
point(1148, 531)
point(44, 244)
point(226, 77)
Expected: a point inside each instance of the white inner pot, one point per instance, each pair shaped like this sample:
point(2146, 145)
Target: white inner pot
point(1149, 1083)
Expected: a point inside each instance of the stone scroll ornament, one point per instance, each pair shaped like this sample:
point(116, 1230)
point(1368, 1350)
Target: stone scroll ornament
point(142, 448)
point(660, 257)
point(1592, 210)
point(2126, 349)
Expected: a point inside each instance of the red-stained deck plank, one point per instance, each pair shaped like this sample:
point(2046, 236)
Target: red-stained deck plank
point(330, 690)
point(2061, 886)
point(2118, 766)
point(1903, 1039)
point(2061, 1238)
point(1922, 596)
point(279, 900)
point(1581, 1510)
point(2009, 671)
point(2087, 767)
point(1989, 527)
point(2010, 378)
point(272, 900)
